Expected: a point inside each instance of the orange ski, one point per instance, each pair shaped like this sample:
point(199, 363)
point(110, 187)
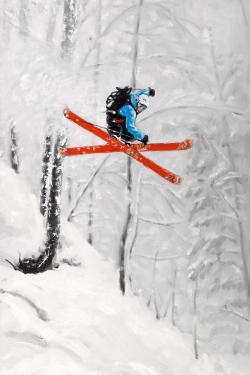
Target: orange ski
point(134, 150)
point(100, 149)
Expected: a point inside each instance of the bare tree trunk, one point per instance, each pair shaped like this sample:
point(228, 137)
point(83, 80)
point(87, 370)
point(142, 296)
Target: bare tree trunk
point(173, 298)
point(45, 173)
point(23, 17)
point(244, 13)
point(69, 189)
point(152, 300)
point(14, 158)
point(4, 22)
point(125, 230)
point(54, 8)
point(53, 216)
point(96, 85)
point(247, 26)
point(44, 261)
point(134, 231)
point(136, 43)
point(157, 311)
point(90, 220)
point(129, 217)
point(195, 339)
point(69, 28)
point(98, 51)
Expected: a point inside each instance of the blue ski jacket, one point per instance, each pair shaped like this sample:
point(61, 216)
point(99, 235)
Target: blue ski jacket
point(129, 111)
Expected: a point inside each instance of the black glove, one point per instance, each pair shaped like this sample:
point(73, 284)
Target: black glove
point(145, 139)
point(151, 92)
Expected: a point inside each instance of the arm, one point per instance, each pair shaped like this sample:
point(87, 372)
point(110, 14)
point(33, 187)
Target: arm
point(129, 112)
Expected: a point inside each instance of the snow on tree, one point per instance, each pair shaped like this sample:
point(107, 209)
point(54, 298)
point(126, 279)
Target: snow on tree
point(47, 153)
point(215, 260)
point(69, 27)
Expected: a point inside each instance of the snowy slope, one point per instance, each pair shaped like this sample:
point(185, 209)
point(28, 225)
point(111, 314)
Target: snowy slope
point(74, 319)
point(20, 221)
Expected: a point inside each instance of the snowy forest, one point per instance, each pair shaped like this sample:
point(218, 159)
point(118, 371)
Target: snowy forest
point(107, 268)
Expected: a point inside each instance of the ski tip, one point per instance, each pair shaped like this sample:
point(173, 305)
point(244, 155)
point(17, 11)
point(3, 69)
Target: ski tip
point(188, 143)
point(63, 151)
point(66, 112)
point(176, 180)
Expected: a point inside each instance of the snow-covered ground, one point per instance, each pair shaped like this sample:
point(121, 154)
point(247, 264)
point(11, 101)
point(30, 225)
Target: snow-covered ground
point(20, 221)
point(74, 320)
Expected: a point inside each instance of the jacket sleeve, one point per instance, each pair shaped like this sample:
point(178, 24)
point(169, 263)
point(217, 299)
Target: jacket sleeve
point(129, 112)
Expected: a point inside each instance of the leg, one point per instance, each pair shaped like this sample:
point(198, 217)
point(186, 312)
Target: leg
point(115, 130)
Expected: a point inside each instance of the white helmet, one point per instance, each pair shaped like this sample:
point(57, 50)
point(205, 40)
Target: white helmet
point(143, 102)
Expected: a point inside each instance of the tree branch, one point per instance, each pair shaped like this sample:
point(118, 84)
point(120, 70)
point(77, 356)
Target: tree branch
point(85, 188)
point(166, 224)
point(236, 313)
point(159, 259)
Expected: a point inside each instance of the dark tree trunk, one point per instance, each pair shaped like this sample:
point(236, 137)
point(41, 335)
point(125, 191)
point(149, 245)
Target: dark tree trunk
point(14, 158)
point(69, 189)
point(53, 215)
point(122, 252)
point(127, 224)
point(45, 173)
point(23, 17)
point(90, 219)
point(44, 261)
point(69, 27)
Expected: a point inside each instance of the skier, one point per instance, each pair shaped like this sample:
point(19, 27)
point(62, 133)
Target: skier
point(122, 108)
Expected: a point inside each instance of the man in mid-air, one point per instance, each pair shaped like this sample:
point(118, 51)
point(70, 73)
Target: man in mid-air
point(122, 108)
